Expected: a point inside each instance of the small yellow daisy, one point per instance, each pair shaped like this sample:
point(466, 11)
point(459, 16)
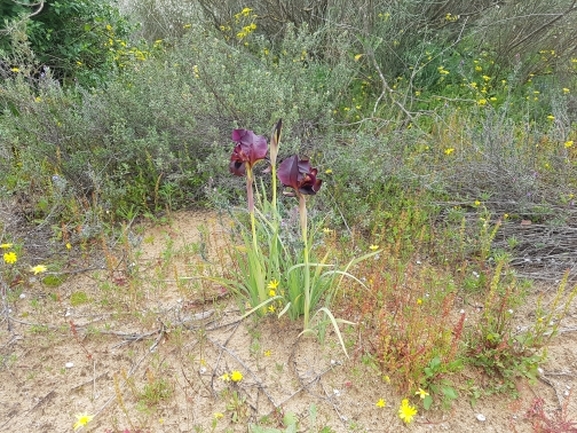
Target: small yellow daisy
point(82, 419)
point(236, 376)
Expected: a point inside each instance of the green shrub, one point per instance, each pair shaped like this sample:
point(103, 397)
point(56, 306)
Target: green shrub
point(77, 40)
point(158, 133)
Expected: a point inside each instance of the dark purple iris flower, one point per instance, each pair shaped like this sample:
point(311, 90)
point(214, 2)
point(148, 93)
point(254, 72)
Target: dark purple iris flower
point(299, 175)
point(250, 148)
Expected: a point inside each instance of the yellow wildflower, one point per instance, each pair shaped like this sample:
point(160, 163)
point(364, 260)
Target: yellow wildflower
point(82, 419)
point(569, 144)
point(381, 403)
point(374, 247)
point(10, 257)
point(551, 117)
point(406, 411)
point(225, 377)
point(236, 376)
point(422, 393)
point(6, 246)
point(566, 90)
point(449, 150)
point(442, 70)
point(38, 269)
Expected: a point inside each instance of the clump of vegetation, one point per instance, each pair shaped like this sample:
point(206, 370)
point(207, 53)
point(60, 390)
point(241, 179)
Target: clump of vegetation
point(447, 155)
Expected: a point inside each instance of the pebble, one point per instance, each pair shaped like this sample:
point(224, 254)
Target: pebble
point(480, 417)
point(22, 296)
point(69, 365)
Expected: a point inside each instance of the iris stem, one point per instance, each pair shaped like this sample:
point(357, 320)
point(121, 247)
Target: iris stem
point(304, 232)
point(250, 199)
point(273, 173)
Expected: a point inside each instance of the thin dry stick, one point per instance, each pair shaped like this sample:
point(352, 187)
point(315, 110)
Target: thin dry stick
point(335, 408)
point(544, 26)
point(5, 308)
point(549, 382)
point(40, 402)
point(93, 379)
point(220, 356)
point(304, 386)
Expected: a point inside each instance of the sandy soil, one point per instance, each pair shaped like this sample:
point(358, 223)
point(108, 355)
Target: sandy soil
point(143, 348)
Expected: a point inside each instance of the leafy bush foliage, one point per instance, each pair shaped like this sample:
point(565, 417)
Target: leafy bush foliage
point(74, 39)
point(154, 136)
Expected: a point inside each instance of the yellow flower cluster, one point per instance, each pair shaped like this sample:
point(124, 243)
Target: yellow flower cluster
point(246, 30)
point(243, 13)
point(234, 376)
point(451, 18)
point(10, 257)
point(442, 70)
point(272, 286)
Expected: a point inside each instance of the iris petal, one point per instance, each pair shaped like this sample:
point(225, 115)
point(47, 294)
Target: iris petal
point(250, 149)
point(298, 175)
